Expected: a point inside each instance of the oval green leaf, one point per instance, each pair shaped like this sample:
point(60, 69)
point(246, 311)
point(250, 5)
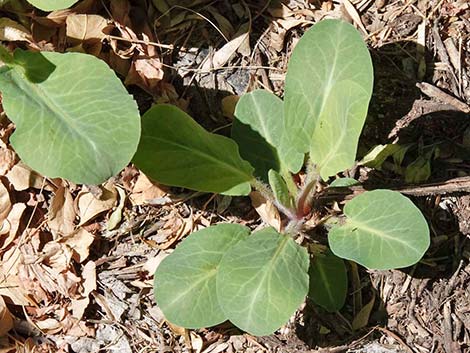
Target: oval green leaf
point(328, 87)
point(254, 149)
point(280, 189)
point(177, 151)
point(328, 281)
point(263, 112)
point(383, 230)
point(185, 281)
point(74, 118)
point(262, 281)
point(52, 5)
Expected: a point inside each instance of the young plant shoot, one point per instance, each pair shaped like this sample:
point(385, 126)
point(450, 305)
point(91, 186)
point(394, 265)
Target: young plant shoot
point(258, 280)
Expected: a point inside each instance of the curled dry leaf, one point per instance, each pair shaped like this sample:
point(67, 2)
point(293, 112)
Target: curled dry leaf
point(11, 31)
point(5, 203)
point(125, 47)
point(146, 70)
point(7, 158)
point(267, 211)
point(85, 32)
point(80, 243)
point(62, 214)
point(56, 256)
point(116, 216)
point(83, 28)
point(11, 286)
point(6, 319)
point(238, 43)
point(11, 224)
point(22, 178)
point(89, 284)
point(89, 206)
point(145, 190)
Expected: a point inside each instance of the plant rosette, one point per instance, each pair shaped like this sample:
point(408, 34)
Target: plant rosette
point(258, 280)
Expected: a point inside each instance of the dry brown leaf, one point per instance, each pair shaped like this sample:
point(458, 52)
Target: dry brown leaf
point(7, 346)
point(49, 326)
point(103, 303)
point(10, 284)
point(68, 284)
point(80, 243)
point(5, 203)
point(83, 28)
point(11, 224)
point(152, 263)
point(196, 342)
point(145, 190)
point(89, 278)
point(22, 178)
point(62, 214)
point(6, 320)
point(265, 208)
point(89, 206)
point(85, 33)
point(56, 256)
point(116, 216)
point(146, 70)
point(352, 12)
point(123, 48)
point(7, 158)
point(223, 55)
point(89, 284)
point(11, 31)
point(175, 229)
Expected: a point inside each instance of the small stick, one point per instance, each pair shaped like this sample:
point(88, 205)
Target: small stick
point(434, 92)
point(447, 187)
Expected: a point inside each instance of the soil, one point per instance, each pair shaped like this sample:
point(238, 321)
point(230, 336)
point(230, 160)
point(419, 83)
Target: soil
point(423, 309)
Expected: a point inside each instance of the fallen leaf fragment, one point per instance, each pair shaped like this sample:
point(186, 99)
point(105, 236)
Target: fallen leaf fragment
point(62, 214)
point(22, 178)
point(145, 190)
point(90, 206)
point(11, 285)
point(80, 243)
point(5, 203)
point(11, 31)
point(223, 55)
point(116, 215)
point(7, 158)
point(82, 28)
point(85, 32)
point(6, 319)
point(11, 224)
point(265, 208)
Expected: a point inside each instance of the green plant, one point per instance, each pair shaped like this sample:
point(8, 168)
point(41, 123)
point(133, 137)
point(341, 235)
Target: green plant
point(257, 281)
point(74, 118)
